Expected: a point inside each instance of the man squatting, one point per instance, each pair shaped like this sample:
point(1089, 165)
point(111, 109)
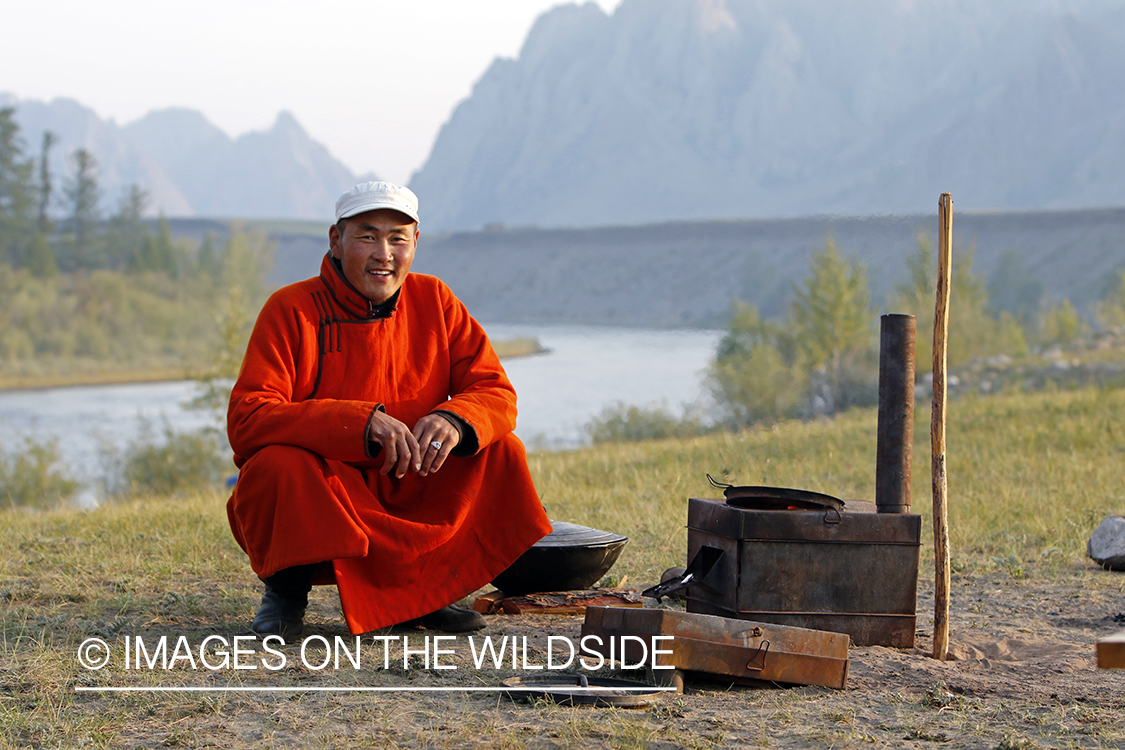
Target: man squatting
point(372, 426)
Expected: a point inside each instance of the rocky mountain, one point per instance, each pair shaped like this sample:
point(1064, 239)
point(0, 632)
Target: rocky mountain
point(189, 166)
point(691, 109)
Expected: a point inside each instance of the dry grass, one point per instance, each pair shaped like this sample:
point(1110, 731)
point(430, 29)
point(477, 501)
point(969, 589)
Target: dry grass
point(1030, 476)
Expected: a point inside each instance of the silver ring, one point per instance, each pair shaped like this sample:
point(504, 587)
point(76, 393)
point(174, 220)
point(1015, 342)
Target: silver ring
point(436, 445)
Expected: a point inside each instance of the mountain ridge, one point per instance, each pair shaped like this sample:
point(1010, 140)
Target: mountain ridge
point(700, 109)
point(188, 166)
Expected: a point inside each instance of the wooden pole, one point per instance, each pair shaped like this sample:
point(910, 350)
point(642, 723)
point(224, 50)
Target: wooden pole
point(937, 430)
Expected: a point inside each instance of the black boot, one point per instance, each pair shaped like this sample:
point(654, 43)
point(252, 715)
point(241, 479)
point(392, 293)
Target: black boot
point(282, 610)
point(451, 619)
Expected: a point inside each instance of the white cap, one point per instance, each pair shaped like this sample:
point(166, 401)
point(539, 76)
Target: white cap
point(368, 196)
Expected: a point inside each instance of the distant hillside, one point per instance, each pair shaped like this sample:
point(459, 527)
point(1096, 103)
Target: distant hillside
point(700, 109)
point(189, 166)
point(688, 273)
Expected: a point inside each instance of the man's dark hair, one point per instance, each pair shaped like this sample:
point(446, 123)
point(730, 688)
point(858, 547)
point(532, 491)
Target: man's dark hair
point(344, 222)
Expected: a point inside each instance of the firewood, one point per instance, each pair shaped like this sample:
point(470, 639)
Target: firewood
point(557, 602)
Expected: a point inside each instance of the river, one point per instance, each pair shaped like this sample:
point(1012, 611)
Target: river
point(586, 370)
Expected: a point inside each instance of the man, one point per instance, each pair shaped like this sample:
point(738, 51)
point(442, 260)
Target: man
point(372, 426)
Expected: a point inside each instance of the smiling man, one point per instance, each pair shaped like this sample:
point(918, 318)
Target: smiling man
point(372, 425)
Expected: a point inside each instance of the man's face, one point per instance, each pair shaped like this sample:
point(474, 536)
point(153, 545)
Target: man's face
point(375, 249)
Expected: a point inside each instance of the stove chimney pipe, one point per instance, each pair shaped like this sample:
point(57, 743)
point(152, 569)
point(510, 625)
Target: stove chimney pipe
point(895, 446)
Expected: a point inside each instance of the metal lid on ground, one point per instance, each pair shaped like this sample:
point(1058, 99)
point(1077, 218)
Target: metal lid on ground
point(567, 534)
point(580, 690)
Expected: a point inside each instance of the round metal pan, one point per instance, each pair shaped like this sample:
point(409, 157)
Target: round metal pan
point(756, 497)
point(575, 690)
point(570, 558)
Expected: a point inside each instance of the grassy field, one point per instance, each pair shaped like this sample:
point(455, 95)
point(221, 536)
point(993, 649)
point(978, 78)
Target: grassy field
point(1030, 476)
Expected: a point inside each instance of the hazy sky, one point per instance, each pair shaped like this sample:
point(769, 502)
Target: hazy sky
point(373, 80)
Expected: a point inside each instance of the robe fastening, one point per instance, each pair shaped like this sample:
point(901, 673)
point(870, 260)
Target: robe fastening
point(319, 362)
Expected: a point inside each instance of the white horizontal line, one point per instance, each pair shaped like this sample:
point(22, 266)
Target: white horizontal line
point(521, 689)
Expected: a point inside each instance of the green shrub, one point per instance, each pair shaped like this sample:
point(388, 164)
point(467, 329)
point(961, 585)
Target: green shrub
point(31, 477)
point(1061, 324)
point(821, 360)
point(628, 424)
point(1110, 310)
point(757, 385)
point(181, 463)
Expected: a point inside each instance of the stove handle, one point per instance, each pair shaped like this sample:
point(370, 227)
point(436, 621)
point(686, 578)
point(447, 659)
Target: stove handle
point(698, 569)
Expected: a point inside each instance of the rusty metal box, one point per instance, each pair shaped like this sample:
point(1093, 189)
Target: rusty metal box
point(720, 646)
point(846, 572)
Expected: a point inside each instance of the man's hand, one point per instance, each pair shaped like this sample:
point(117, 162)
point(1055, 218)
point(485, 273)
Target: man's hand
point(400, 448)
point(436, 436)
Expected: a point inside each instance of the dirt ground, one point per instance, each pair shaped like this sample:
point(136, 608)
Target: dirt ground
point(1024, 677)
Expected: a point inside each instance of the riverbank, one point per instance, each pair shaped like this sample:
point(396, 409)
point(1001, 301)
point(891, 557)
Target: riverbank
point(519, 347)
point(97, 374)
point(128, 376)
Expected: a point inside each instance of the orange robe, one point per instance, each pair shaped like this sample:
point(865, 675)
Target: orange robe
point(309, 489)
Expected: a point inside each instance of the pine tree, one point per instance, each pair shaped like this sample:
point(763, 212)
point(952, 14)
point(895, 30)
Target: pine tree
point(207, 260)
point(45, 186)
point(832, 326)
point(83, 198)
point(16, 191)
point(973, 330)
point(1110, 310)
point(1060, 324)
point(41, 258)
point(1014, 289)
point(164, 250)
point(822, 360)
point(125, 238)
